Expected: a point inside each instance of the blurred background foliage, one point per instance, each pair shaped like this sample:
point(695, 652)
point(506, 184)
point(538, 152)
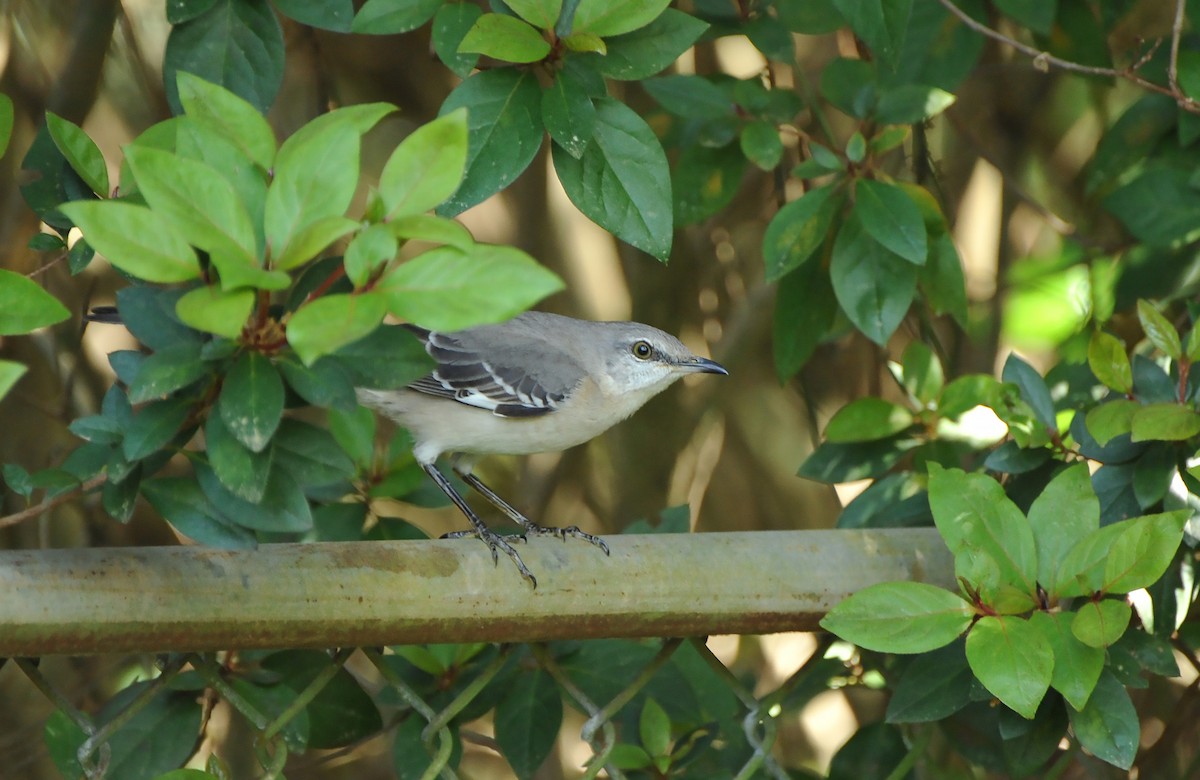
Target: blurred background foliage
point(1036, 170)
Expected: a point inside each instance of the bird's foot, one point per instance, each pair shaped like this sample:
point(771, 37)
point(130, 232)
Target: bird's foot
point(497, 544)
point(533, 529)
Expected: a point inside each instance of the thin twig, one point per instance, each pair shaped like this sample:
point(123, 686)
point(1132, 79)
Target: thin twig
point(1044, 60)
point(1176, 34)
point(46, 506)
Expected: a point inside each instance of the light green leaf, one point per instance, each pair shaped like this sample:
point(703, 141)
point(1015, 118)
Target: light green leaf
point(654, 727)
point(25, 305)
point(311, 240)
point(369, 252)
point(136, 240)
point(10, 372)
point(435, 230)
point(427, 167)
point(1100, 623)
point(900, 617)
point(450, 289)
point(1066, 511)
point(922, 373)
point(1013, 660)
point(614, 17)
point(505, 38)
point(1111, 419)
point(542, 14)
point(81, 152)
point(622, 181)
point(6, 121)
point(1140, 555)
point(214, 310)
point(1077, 666)
point(233, 117)
point(1109, 362)
point(1159, 330)
point(1164, 422)
point(321, 326)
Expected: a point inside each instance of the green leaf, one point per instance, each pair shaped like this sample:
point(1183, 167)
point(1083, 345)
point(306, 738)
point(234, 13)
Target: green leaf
point(505, 38)
point(542, 14)
point(867, 419)
point(527, 721)
point(1111, 419)
point(369, 252)
point(704, 180)
point(874, 286)
point(691, 97)
point(615, 17)
point(321, 326)
point(622, 182)
point(214, 310)
point(761, 145)
point(435, 230)
point(136, 240)
point(972, 513)
point(923, 377)
point(25, 305)
point(1081, 572)
point(649, 50)
point(325, 383)
point(230, 115)
point(1109, 362)
point(805, 310)
point(1077, 666)
point(354, 432)
point(450, 25)
point(568, 113)
point(310, 454)
point(154, 426)
point(910, 104)
point(241, 470)
point(282, 508)
point(10, 372)
point(654, 728)
point(1066, 511)
point(1159, 207)
point(81, 152)
point(891, 217)
point(1037, 15)
point(388, 17)
point(1033, 389)
point(881, 25)
point(935, 685)
point(310, 240)
point(1142, 553)
point(1164, 422)
point(900, 617)
point(206, 209)
point(1013, 660)
point(834, 463)
point(449, 289)
point(182, 504)
point(942, 280)
point(1159, 330)
point(1108, 726)
point(166, 371)
point(427, 167)
point(504, 132)
point(235, 43)
point(798, 230)
point(389, 357)
point(1100, 623)
point(6, 122)
point(333, 15)
point(316, 174)
point(251, 401)
point(585, 42)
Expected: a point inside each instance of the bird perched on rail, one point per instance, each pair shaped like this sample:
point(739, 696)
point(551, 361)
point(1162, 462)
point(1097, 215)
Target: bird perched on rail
point(536, 383)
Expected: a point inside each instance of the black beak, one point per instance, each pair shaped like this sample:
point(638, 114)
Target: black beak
point(699, 365)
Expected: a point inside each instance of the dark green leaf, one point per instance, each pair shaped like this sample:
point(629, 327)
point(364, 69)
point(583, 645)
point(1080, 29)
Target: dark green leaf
point(237, 44)
point(934, 686)
point(622, 182)
point(881, 24)
point(242, 471)
point(911, 103)
point(1012, 458)
point(890, 216)
point(923, 377)
point(251, 401)
point(505, 132)
point(159, 737)
point(354, 432)
point(334, 15)
point(834, 463)
point(182, 504)
point(528, 720)
point(568, 113)
point(874, 751)
point(705, 180)
point(166, 371)
point(388, 17)
point(325, 383)
point(1012, 659)
point(849, 84)
point(867, 419)
point(149, 314)
point(1153, 474)
point(341, 712)
point(450, 24)
point(805, 310)
point(310, 454)
point(153, 426)
point(798, 230)
point(874, 286)
point(1108, 726)
point(942, 280)
point(649, 50)
point(1159, 330)
point(6, 122)
point(1037, 15)
point(900, 617)
point(894, 501)
point(1033, 389)
point(391, 356)
point(691, 97)
point(1159, 207)
point(282, 508)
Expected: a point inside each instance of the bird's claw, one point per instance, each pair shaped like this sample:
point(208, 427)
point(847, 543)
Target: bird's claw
point(497, 543)
point(562, 533)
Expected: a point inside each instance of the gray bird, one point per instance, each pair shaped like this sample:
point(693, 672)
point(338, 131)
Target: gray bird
point(536, 383)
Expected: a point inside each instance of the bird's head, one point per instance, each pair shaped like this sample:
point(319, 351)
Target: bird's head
point(643, 361)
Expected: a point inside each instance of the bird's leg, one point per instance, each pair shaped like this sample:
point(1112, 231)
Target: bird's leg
point(492, 539)
point(529, 526)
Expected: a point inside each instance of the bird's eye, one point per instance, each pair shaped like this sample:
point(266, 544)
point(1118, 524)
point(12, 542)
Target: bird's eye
point(642, 350)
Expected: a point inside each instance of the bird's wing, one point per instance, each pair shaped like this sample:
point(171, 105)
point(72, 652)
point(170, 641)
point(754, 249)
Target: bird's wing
point(476, 370)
